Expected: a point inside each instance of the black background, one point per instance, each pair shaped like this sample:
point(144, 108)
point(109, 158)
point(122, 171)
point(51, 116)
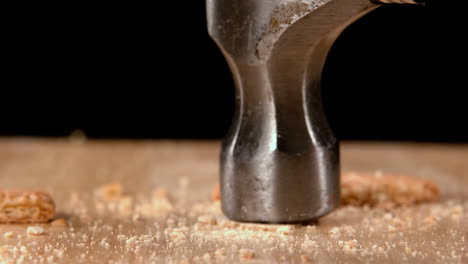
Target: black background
point(151, 71)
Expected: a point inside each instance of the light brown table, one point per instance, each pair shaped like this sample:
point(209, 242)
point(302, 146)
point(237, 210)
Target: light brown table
point(99, 233)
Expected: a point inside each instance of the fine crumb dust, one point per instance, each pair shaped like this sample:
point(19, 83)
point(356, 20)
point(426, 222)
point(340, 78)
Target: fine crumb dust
point(119, 227)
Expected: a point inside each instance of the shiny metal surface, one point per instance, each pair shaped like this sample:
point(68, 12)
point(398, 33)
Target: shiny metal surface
point(280, 160)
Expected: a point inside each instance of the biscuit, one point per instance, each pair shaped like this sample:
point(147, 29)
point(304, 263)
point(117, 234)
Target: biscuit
point(18, 206)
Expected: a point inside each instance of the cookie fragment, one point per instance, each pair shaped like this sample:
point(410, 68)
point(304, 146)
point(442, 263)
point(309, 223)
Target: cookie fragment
point(35, 231)
point(60, 222)
point(18, 206)
point(386, 190)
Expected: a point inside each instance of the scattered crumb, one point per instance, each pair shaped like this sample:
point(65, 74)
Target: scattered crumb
point(306, 259)
point(246, 254)
point(430, 220)
point(121, 238)
point(59, 222)
point(285, 230)
point(58, 252)
point(110, 191)
point(456, 213)
point(125, 205)
point(23, 250)
point(335, 231)
point(131, 240)
point(104, 244)
point(8, 235)
point(35, 230)
point(207, 220)
point(216, 195)
point(350, 246)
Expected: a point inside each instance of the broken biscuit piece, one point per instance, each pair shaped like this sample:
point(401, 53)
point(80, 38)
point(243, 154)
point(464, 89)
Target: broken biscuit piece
point(18, 206)
point(386, 190)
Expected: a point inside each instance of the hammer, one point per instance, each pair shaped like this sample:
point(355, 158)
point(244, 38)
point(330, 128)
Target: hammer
point(280, 160)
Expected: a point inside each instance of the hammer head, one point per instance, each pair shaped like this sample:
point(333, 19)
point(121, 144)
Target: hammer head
point(280, 160)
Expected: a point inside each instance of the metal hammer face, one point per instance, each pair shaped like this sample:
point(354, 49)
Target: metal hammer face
point(280, 160)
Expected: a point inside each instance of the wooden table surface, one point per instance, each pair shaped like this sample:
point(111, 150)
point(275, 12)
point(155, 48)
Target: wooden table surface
point(97, 232)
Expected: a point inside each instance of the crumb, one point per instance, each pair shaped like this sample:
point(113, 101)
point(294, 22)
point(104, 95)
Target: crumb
point(131, 240)
point(430, 220)
point(171, 222)
point(216, 195)
point(178, 235)
point(159, 205)
point(305, 259)
point(8, 235)
point(285, 230)
point(207, 220)
point(59, 222)
point(35, 230)
point(246, 254)
point(456, 213)
point(110, 191)
point(125, 205)
point(335, 231)
point(104, 244)
point(308, 243)
point(58, 252)
point(350, 246)
point(23, 250)
point(311, 228)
